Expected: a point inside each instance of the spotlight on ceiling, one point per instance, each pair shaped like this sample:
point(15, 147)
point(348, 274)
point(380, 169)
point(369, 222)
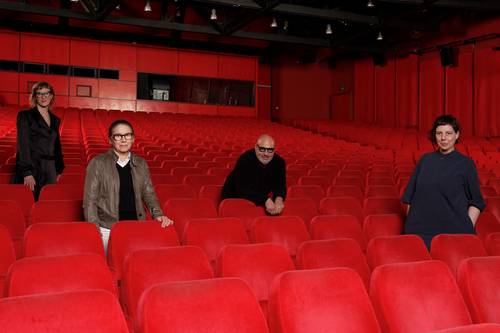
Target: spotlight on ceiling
point(213, 15)
point(328, 29)
point(117, 7)
point(370, 4)
point(274, 23)
point(379, 36)
point(147, 7)
point(74, 0)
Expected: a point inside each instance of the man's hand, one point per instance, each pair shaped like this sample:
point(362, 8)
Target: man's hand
point(279, 205)
point(30, 182)
point(270, 206)
point(165, 221)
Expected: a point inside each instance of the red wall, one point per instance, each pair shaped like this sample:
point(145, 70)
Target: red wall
point(128, 59)
point(300, 90)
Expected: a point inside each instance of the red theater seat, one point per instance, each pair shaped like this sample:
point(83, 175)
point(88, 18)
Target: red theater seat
point(146, 268)
point(21, 195)
point(486, 224)
point(314, 192)
point(289, 231)
point(343, 252)
point(492, 244)
point(382, 225)
point(395, 249)
point(197, 181)
point(217, 305)
point(303, 207)
point(211, 192)
point(257, 264)
point(346, 191)
point(492, 206)
point(417, 297)
point(337, 226)
point(322, 181)
point(7, 255)
point(478, 328)
point(41, 275)
point(341, 206)
point(181, 210)
point(61, 192)
point(211, 235)
point(56, 239)
point(127, 236)
point(240, 208)
point(95, 311)
point(166, 192)
point(324, 300)
point(11, 217)
point(479, 280)
point(57, 211)
point(453, 248)
point(376, 206)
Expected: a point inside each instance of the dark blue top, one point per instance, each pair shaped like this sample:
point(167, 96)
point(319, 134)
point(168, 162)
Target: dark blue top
point(440, 191)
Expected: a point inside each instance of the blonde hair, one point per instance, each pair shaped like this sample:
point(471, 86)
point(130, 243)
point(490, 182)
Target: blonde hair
point(38, 86)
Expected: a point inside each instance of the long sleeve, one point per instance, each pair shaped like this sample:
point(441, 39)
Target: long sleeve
point(241, 178)
point(91, 194)
point(58, 154)
point(473, 190)
point(24, 161)
point(149, 195)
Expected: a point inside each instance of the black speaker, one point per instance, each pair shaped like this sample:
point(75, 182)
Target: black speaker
point(449, 56)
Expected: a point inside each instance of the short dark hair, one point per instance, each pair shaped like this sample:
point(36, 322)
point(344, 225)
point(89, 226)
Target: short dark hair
point(446, 119)
point(116, 123)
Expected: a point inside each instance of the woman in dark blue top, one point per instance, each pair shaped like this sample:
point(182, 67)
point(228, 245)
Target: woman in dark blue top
point(443, 193)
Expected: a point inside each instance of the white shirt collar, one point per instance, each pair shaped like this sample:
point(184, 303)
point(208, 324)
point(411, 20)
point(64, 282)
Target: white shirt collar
point(124, 162)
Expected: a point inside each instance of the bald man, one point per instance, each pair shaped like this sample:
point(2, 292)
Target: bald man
point(259, 176)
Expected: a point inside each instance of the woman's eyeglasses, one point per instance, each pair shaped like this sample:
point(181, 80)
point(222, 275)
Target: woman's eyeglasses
point(43, 94)
point(119, 137)
point(265, 149)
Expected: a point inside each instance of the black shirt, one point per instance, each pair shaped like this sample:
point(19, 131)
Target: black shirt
point(440, 191)
point(126, 206)
point(254, 181)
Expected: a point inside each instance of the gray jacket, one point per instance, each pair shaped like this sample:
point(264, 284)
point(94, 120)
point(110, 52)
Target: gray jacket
point(102, 190)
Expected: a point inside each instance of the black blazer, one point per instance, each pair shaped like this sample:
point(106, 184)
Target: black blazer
point(37, 141)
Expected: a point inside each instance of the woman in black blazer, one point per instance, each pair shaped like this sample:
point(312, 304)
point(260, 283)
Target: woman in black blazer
point(39, 158)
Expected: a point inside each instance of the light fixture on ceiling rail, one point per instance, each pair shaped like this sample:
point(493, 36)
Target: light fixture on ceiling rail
point(213, 15)
point(370, 4)
point(379, 36)
point(117, 7)
point(328, 29)
point(274, 23)
point(147, 7)
point(74, 0)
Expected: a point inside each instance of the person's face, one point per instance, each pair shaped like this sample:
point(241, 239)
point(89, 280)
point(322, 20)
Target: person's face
point(43, 97)
point(264, 151)
point(446, 137)
point(122, 139)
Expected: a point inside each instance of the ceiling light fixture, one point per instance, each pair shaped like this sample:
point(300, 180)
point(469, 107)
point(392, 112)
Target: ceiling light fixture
point(74, 0)
point(213, 15)
point(370, 4)
point(147, 7)
point(379, 36)
point(274, 23)
point(117, 7)
point(328, 29)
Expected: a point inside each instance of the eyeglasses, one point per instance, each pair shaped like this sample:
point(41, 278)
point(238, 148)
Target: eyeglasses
point(265, 149)
point(119, 137)
point(43, 94)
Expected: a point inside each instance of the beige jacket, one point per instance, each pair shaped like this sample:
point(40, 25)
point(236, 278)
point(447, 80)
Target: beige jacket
point(102, 190)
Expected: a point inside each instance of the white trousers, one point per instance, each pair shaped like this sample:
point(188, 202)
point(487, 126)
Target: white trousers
point(105, 238)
